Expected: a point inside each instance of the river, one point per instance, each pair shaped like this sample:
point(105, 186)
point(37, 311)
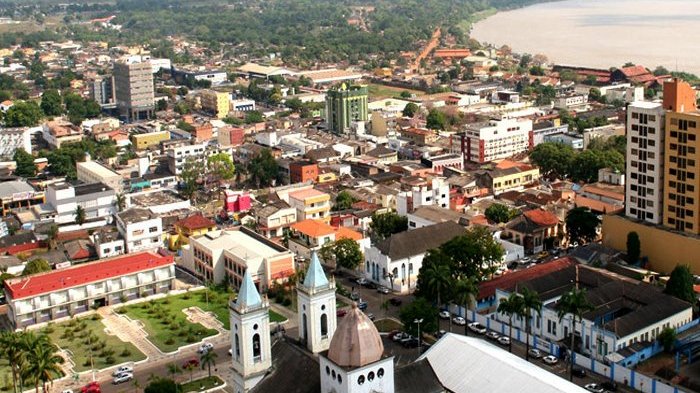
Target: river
point(602, 33)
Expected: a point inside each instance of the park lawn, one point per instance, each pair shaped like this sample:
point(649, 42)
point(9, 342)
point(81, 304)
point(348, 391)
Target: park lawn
point(200, 384)
point(275, 317)
point(387, 325)
point(107, 350)
point(377, 91)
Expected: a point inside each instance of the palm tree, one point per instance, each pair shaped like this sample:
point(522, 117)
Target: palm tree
point(120, 201)
point(189, 367)
point(531, 303)
point(511, 306)
point(43, 361)
point(173, 370)
point(207, 359)
point(437, 277)
point(136, 384)
point(13, 352)
point(52, 234)
point(80, 215)
point(575, 303)
point(465, 290)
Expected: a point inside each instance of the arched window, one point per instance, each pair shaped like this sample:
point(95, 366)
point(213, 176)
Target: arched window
point(304, 332)
point(236, 346)
point(256, 347)
point(324, 325)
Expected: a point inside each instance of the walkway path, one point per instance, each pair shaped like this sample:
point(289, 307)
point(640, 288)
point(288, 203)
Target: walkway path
point(129, 331)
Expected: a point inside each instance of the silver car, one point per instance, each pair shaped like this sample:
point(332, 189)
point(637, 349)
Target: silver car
point(121, 378)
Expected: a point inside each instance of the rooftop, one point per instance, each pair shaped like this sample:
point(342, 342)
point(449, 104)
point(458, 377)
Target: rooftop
point(98, 169)
point(8, 189)
point(308, 193)
point(56, 280)
point(136, 214)
point(162, 197)
point(418, 241)
point(195, 222)
point(92, 188)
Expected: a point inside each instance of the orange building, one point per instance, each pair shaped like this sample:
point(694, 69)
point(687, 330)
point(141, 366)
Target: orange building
point(303, 171)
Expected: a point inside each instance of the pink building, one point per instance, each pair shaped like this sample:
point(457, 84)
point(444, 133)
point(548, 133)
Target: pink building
point(236, 201)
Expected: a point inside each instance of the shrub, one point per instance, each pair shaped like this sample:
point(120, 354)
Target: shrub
point(287, 302)
point(87, 363)
point(49, 328)
point(165, 301)
point(121, 310)
point(191, 338)
point(96, 317)
point(125, 353)
point(170, 341)
point(182, 333)
point(110, 360)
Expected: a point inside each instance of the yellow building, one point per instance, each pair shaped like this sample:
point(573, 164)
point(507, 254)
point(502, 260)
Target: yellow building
point(326, 177)
point(215, 102)
point(663, 248)
point(311, 204)
point(144, 141)
point(512, 178)
point(194, 225)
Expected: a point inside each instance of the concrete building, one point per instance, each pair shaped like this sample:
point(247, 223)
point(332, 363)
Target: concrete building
point(103, 92)
point(97, 199)
point(345, 106)
point(94, 172)
point(571, 101)
point(178, 155)
point(496, 139)
point(141, 229)
point(228, 254)
point(303, 171)
point(146, 140)
point(216, 103)
point(274, 219)
point(12, 139)
point(60, 293)
point(436, 193)
point(308, 236)
point(134, 92)
point(645, 161)
point(17, 195)
point(311, 203)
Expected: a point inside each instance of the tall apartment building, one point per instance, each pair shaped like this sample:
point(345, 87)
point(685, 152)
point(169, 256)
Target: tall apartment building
point(496, 139)
point(133, 83)
point(645, 161)
point(681, 176)
point(102, 91)
point(215, 102)
point(344, 106)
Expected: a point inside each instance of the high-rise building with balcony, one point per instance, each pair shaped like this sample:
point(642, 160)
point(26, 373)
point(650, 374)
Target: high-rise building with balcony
point(346, 105)
point(134, 92)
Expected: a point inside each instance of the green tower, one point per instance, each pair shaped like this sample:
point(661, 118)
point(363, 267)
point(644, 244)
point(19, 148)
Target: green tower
point(345, 105)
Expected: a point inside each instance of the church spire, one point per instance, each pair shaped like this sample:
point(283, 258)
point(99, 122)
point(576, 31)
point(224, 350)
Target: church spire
point(315, 277)
point(248, 295)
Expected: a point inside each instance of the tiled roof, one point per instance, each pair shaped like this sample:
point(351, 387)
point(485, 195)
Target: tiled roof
point(194, 222)
point(345, 233)
point(541, 217)
point(508, 281)
point(634, 71)
point(313, 228)
point(85, 273)
point(308, 193)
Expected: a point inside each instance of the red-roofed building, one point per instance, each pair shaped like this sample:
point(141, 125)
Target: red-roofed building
point(193, 225)
point(60, 293)
point(310, 235)
point(535, 230)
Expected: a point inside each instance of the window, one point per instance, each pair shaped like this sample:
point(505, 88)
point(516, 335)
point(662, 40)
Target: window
point(152, 229)
point(380, 373)
point(324, 325)
point(256, 348)
point(361, 380)
point(370, 376)
point(236, 347)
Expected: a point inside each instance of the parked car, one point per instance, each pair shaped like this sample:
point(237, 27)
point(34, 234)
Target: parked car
point(476, 327)
point(194, 363)
point(542, 254)
point(610, 386)
point(278, 329)
point(230, 352)
point(355, 296)
point(411, 342)
point(371, 316)
point(444, 314)
point(459, 321)
point(361, 281)
point(341, 313)
point(121, 378)
point(370, 285)
point(383, 290)
point(122, 370)
point(440, 333)
point(504, 340)
point(205, 347)
point(525, 260)
point(399, 336)
point(513, 265)
point(493, 336)
point(594, 387)
point(362, 305)
point(551, 360)
point(578, 372)
point(67, 391)
point(534, 353)
point(92, 387)
point(395, 301)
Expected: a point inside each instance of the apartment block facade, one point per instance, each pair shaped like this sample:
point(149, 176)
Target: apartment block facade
point(134, 91)
point(344, 106)
point(496, 139)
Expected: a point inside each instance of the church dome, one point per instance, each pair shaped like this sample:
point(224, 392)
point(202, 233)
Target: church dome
point(356, 341)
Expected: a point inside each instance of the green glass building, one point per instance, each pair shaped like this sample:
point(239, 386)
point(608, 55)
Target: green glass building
point(345, 105)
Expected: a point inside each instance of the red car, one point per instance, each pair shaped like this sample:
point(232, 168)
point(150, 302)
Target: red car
point(92, 387)
point(341, 313)
point(194, 363)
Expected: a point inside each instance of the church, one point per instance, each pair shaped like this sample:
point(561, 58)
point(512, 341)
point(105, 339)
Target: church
point(349, 357)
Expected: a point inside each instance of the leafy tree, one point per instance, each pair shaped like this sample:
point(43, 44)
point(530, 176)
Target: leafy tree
point(384, 225)
point(263, 168)
point(120, 201)
point(405, 94)
point(500, 213)
point(553, 159)
point(581, 225)
point(417, 310)
point(161, 105)
point(161, 385)
point(585, 165)
point(220, 167)
point(173, 370)
point(23, 114)
point(52, 234)
point(254, 117)
point(435, 277)
point(51, 103)
point(532, 304)
point(464, 293)
point(680, 284)
point(36, 266)
point(42, 361)
point(294, 104)
point(344, 200)
point(80, 216)
point(410, 109)
point(347, 253)
point(207, 359)
point(512, 306)
point(191, 172)
point(475, 253)
point(25, 163)
point(436, 120)
point(667, 338)
point(633, 247)
point(574, 303)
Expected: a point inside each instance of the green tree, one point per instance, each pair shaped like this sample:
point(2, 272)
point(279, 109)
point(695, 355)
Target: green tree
point(80, 216)
point(52, 234)
point(220, 167)
point(416, 310)
point(25, 163)
point(581, 225)
point(347, 253)
point(43, 363)
point(436, 120)
point(23, 114)
point(499, 213)
point(161, 385)
point(254, 117)
point(120, 201)
point(410, 110)
point(191, 171)
point(531, 305)
point(667, 338)
point(294, 104)
point(512, 306)
point(344, 201)
point(573, 303)
point(435, 277)
point(13, 352)
point(52, 103)
point(161, 105)
point(207, 359)
point(464, 294)
point(680, 284)
point(553, 159)
point(384, 225)
point(263, 168)
point(36, 266)
point(474, 254)
point(585, 165)
point(173, 370)
point(633, 247)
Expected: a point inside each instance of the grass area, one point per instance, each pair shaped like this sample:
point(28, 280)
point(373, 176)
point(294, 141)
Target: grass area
point(275, 317)
point(86, 335)
point(340, 304)
point(387, 325)
point(166, 324)
point(377, 91)
point(201, 384)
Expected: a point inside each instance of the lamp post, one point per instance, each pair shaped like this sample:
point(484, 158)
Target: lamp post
point(418, 322)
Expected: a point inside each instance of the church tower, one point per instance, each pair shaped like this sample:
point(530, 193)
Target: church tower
point(316, 308)
point(250, 336)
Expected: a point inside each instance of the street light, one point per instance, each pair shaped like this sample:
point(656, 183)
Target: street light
point(418, 322)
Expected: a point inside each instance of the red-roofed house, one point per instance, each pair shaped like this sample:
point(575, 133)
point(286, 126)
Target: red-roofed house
point(61, 293)
point(310, 235)
point(535, 230)
point(193, 225)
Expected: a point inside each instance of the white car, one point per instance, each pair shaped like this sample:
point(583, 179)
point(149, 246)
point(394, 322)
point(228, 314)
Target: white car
point(67, 391)
point(444, 314)
point(123, 370)
point(476, 327)
point(204, 348)
point(459, 321)
point(121, 378)
point(594, 387)
point(503, 340)
point(549, 359)
point(534, 353)
point(493, 336)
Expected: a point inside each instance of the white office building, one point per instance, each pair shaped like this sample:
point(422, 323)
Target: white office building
point(141, 229)
point(497, 139)
point(97, 200)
